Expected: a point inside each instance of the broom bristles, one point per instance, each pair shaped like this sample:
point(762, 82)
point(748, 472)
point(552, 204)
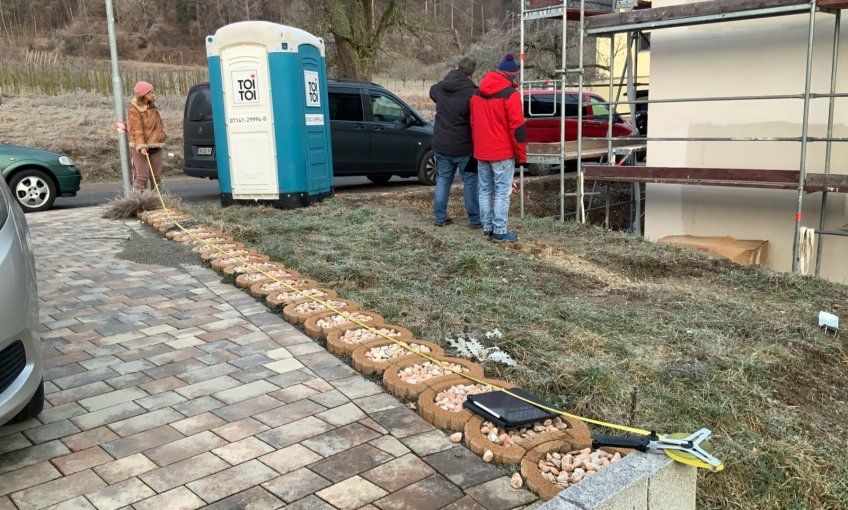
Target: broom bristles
point(129, 206)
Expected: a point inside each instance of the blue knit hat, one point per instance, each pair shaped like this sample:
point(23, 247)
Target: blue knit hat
point(508, 64)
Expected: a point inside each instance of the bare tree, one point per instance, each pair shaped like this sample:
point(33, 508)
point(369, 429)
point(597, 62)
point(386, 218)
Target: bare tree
point(357, 40)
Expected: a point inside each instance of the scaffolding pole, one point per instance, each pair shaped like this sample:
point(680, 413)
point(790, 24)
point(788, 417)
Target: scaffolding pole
point(828, 148)
point(805, 126)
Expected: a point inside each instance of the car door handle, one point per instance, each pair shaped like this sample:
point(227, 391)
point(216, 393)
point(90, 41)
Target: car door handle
point(378, 128)
point(359, 126)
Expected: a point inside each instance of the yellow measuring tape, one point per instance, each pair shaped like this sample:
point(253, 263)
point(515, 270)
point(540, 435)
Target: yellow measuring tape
point(677, 455)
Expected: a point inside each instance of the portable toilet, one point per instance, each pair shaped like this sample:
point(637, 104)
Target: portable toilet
point(268, 85)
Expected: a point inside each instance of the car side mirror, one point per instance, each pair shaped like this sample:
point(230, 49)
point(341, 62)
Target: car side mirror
point(411, 120)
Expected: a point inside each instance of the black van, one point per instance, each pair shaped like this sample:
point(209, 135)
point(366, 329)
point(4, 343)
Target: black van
point(374, 133)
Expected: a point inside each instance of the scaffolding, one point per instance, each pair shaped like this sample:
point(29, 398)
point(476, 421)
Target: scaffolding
point(633, 23)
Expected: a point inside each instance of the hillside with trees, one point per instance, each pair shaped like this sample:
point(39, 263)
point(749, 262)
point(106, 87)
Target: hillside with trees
point(408, 39)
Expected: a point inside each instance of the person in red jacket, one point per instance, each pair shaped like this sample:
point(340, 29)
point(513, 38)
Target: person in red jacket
point(497, 131)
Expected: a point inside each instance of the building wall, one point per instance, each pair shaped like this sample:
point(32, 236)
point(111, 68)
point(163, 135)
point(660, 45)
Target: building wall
point(618, 51)
point(744, 58)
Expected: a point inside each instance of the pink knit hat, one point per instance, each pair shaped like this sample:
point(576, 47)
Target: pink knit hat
point(142, 88)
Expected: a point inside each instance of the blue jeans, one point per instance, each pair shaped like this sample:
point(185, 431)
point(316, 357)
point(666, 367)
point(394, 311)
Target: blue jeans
point(447, 166)
point(495, 188)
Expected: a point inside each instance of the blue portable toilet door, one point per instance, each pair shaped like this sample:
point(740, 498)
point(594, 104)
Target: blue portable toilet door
point(319, 155)
point(250, 122)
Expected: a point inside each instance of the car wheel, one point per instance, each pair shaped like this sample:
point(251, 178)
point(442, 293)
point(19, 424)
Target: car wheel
point(35, 405)
point(427, 171)
point(33, 189)
point(379, 179)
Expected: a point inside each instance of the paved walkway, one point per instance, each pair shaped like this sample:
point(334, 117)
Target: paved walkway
point(167, 389)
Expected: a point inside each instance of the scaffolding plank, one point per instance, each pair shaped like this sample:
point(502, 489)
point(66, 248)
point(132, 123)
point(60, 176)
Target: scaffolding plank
point(713, 11)
point(833, 4)
point(734, 177)
point(836, 183)
point(593, 148)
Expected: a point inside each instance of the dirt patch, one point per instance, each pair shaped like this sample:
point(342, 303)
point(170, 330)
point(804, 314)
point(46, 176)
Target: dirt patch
point(818, 391)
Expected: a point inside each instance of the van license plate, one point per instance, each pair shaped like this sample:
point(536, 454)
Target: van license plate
point(204, 151)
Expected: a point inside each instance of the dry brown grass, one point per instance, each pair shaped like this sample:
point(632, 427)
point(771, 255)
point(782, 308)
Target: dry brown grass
point(82, 125)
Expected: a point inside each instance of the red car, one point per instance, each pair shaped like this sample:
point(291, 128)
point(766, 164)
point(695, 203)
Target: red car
point(542, 117)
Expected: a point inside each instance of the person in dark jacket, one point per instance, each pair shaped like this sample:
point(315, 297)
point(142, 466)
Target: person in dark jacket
point(498, 134)
point(452, 141)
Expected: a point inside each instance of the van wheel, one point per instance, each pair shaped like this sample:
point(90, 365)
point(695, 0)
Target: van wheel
point(540, 169)
point(427, 170)
point(35, 405)
point(379, 179)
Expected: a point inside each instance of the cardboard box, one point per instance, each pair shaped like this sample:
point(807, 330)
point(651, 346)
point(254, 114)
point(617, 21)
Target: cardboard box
point(746, 252)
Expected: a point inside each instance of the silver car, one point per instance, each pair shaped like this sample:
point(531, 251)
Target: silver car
point(21, 383)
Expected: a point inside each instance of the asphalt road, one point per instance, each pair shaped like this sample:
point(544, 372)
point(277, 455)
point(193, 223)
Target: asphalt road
point(192, 189)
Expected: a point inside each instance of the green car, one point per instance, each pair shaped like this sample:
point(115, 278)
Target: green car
point(36, 177)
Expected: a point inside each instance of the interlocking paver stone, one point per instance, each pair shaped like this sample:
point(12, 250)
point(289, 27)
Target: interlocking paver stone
point(14, 442)
point(27, 477)
point(462, 467)
point(120, 495)
point(289, 413)
point(176, 499)
point(146, 440)
point(107, 416)
point(77, 503)
point(199, 423)
point(61, 412)
point(255, 498)
point(127, 467)
point(198, 406)
point(240, 429)
point(350, 462)
point(244, 450)
point(428, 443)
point(294, 393)
point(432, 492)
point(401, 423)
point(111, 399)
point(351, 493)
point(232, 480)
point(342, 415)
point(71, 395)
point(81, 460)
point(297, 484)
point(58, 490)
point(207, 387)
point(498, 494)
point(32, 455)
point(207, 372)
point(182, 472)
point(399, 473)
point(245, 391)
point(250, 407)
point(184, 448)
point(340, 439)
point(51, 431)
point(89, 438)
point(290, 458)
point(144, 422)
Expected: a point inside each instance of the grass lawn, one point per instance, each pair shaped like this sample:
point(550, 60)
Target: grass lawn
point(606, 326)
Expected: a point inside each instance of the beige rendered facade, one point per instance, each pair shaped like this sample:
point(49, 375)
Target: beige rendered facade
point(746, 58)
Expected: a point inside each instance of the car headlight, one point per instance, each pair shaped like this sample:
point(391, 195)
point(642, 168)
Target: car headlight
point(65, 160)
